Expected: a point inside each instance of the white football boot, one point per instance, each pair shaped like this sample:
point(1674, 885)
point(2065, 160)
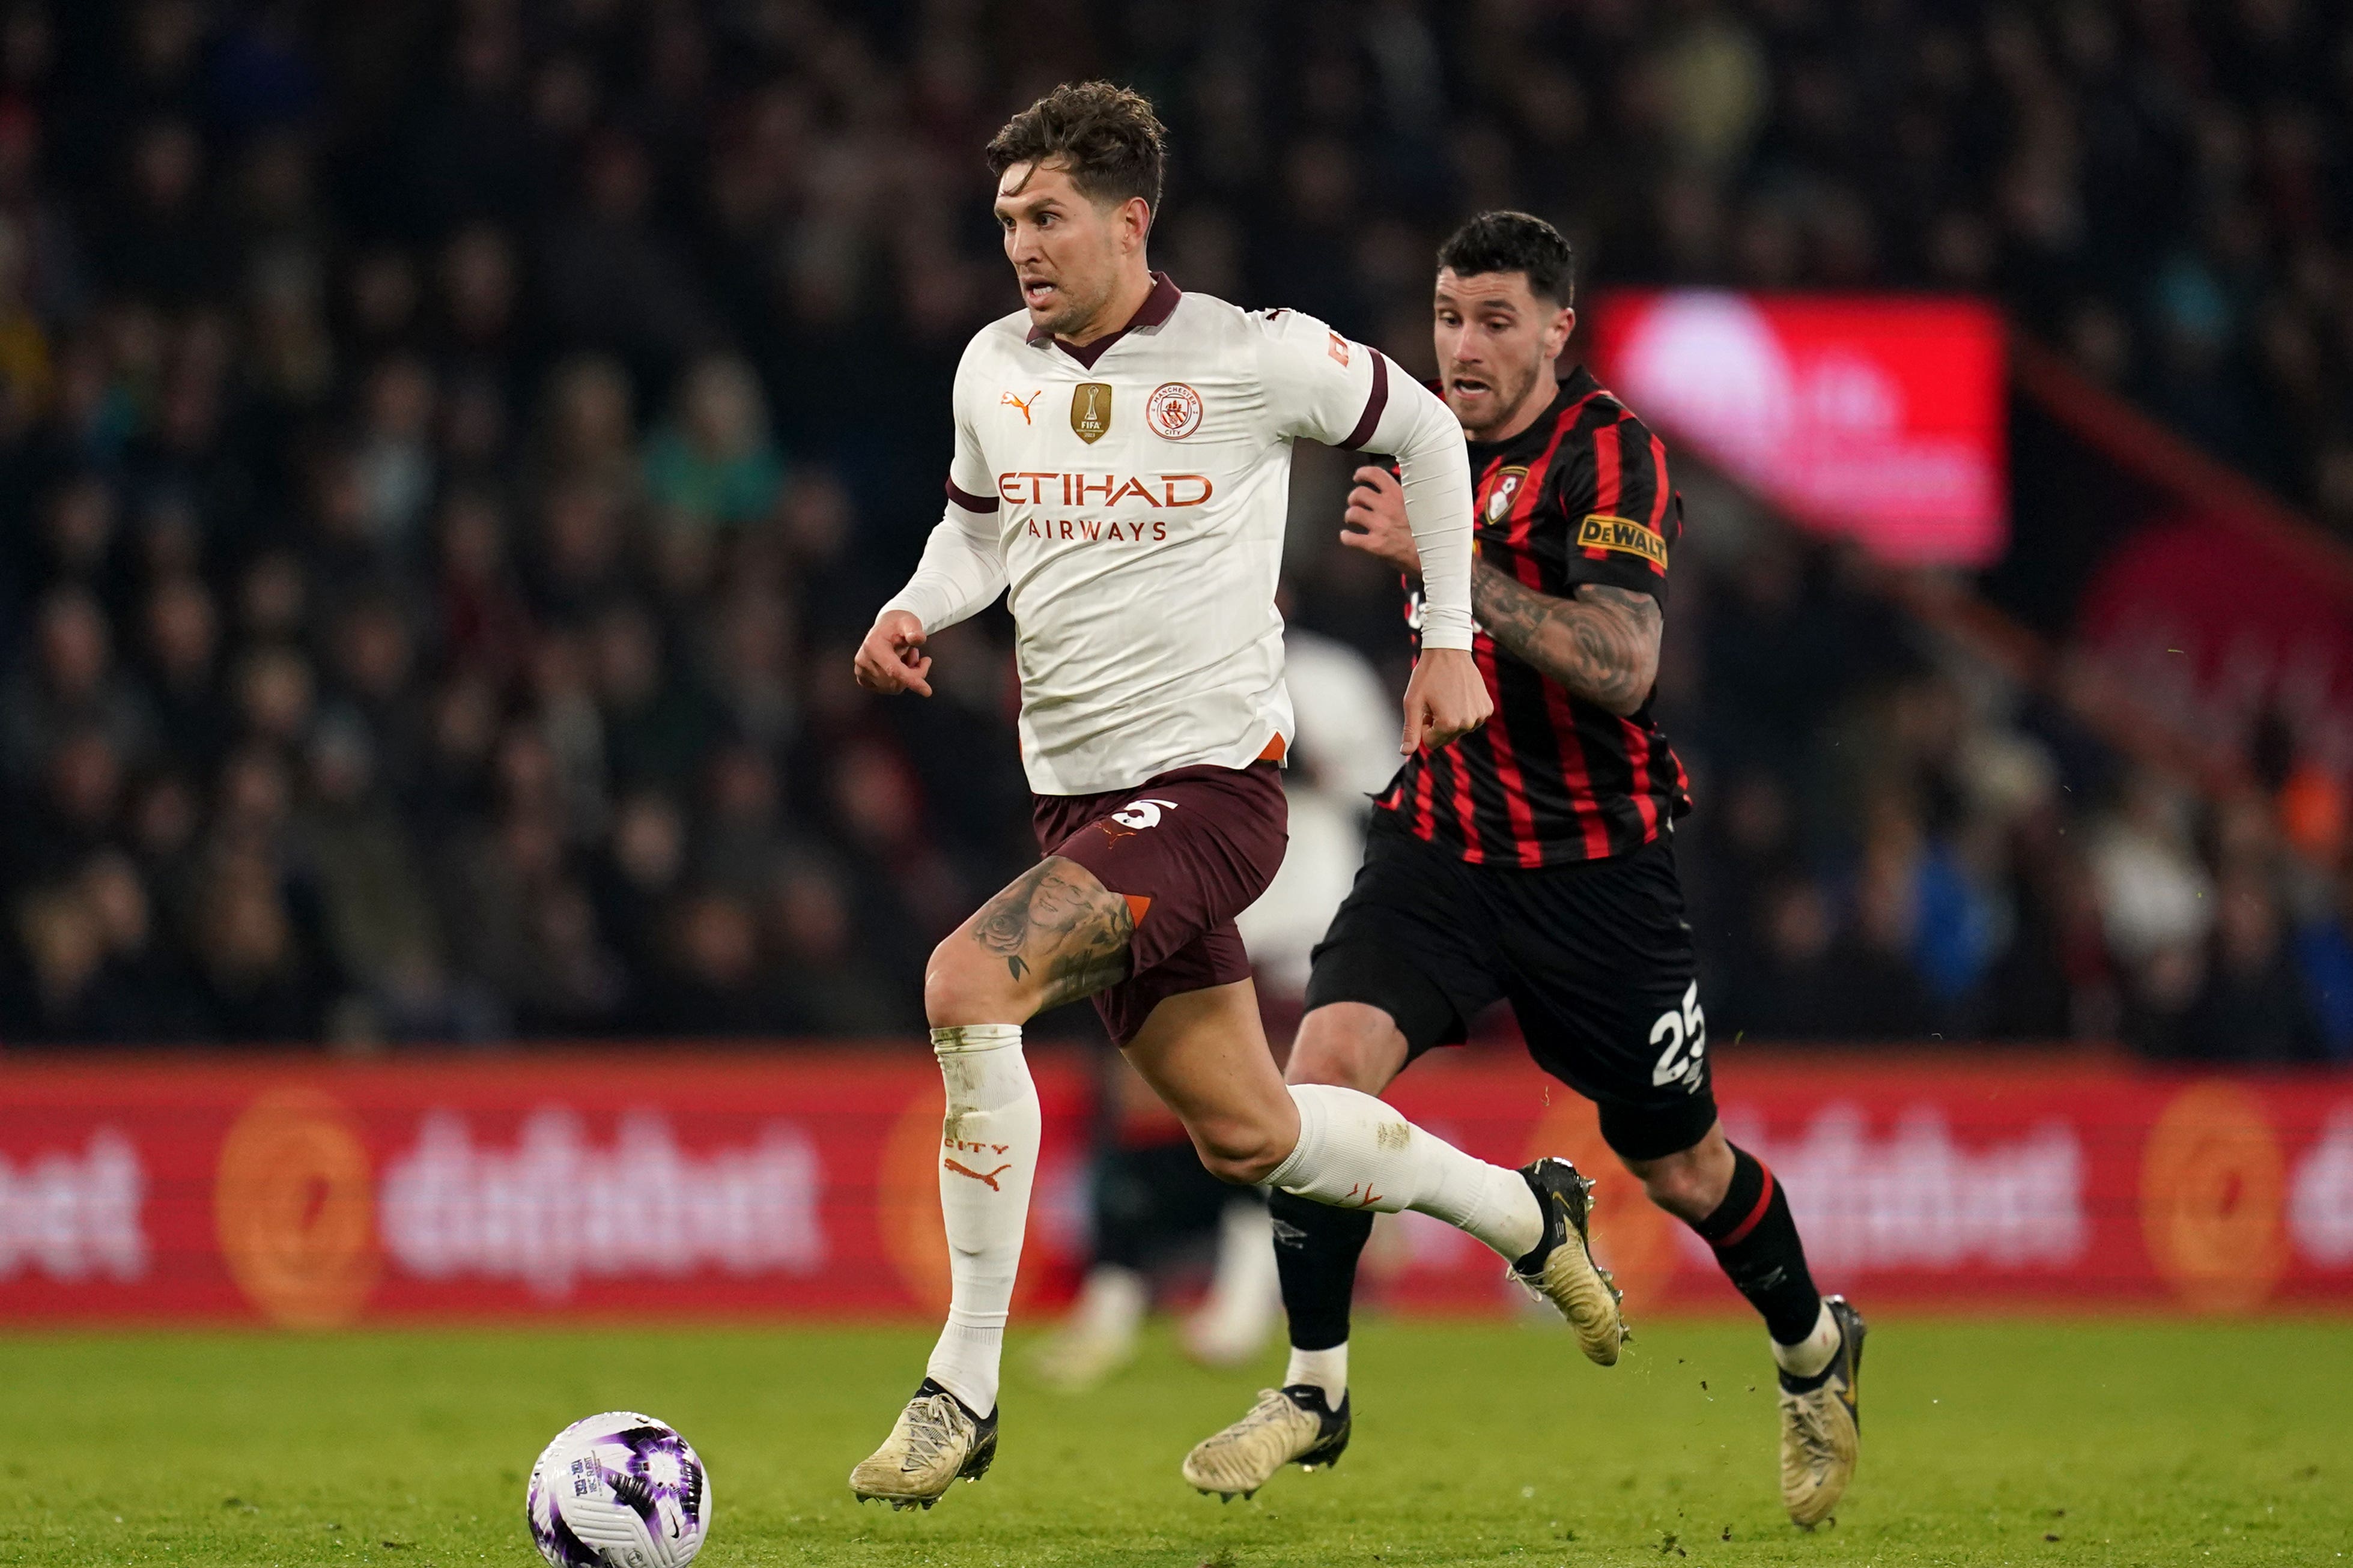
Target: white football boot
point(936, 1442)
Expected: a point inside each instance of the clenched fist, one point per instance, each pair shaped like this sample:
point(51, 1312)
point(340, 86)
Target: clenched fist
point(892, 659)
point(1445, 700)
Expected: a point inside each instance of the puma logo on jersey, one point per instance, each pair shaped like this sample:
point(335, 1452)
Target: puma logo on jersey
point(1022, 403)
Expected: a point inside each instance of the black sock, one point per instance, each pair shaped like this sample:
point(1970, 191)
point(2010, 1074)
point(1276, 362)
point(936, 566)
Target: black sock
point(1756, 1242)
point(1150, 1197)
point(1316, 1248)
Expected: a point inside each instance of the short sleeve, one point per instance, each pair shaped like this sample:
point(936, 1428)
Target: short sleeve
point(1319, 385)
point(1622, 515)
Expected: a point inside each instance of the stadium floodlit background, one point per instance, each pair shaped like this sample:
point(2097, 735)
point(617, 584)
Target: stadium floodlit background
point(450, 451)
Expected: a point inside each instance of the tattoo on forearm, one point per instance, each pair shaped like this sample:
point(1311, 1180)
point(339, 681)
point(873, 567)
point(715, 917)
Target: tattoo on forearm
point(1603, 644)
point(1067, 928)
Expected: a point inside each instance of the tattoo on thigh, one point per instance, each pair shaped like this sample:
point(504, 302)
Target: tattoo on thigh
point(1065, 926)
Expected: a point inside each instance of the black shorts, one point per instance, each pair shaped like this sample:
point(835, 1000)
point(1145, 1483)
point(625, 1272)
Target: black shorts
point(1596, 960)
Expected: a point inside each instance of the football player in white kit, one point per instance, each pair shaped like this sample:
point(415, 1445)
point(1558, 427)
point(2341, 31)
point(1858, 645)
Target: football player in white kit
point(1122, 456)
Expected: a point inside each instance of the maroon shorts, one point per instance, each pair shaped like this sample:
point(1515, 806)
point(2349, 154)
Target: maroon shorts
point(1190, 851)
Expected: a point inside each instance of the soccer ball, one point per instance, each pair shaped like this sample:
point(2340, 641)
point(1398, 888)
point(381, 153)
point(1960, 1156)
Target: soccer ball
point(618, 1491)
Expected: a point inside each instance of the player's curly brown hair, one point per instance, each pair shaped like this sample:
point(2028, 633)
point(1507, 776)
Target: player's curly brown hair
point(1105, 135)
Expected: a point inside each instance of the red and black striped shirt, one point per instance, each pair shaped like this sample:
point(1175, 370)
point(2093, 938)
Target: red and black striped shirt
point(1580, 496)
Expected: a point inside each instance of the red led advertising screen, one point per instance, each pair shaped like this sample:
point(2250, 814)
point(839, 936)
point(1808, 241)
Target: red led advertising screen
point(615, 1182)
point(1878, 419)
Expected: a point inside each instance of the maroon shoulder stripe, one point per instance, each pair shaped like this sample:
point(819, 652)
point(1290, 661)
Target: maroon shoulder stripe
point(1374, 406)
point(969, 502)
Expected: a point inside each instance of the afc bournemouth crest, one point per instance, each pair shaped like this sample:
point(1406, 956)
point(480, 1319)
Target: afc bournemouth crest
point(1175, 410)
point(1091, 410)
point(1505, 492)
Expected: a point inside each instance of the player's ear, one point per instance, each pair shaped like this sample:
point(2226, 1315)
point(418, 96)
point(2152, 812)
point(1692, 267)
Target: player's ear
point(1135, 222)
point(1556, 335)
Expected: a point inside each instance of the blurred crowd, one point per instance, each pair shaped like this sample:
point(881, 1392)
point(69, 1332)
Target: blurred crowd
point(448, 451)
point(1895, 841)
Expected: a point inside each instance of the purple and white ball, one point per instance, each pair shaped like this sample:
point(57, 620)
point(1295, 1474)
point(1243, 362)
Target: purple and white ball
point(618, 1491)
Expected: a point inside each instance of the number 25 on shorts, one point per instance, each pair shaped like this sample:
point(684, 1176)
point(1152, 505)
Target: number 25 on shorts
point(1685, 1032)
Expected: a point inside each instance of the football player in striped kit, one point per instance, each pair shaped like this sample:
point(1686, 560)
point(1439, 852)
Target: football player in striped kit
point(1531, 861)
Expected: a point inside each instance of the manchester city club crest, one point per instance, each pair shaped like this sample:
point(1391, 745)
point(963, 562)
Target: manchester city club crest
point(1091, 410)
point(1502, 493)
point(1174, 411)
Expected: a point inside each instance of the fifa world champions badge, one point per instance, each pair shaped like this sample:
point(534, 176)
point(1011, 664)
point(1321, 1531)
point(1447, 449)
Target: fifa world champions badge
point(1090, 411)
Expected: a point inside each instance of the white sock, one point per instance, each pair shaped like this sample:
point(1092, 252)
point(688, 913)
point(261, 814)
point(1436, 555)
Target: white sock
point(1326, 1370)
point(989, 1158)
point(1810, 1356)
point(1356, 1153)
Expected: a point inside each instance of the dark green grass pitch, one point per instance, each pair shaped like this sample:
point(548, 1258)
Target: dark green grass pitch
point(2067, 1442)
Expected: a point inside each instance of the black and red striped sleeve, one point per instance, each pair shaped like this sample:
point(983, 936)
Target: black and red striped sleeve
point(1618, 504)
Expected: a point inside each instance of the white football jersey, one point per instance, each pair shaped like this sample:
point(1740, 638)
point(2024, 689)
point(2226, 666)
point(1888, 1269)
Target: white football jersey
point(1129, 497)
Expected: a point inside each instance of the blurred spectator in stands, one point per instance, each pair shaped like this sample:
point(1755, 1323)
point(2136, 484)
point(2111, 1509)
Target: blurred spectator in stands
point(483, 624)
point(2155, 898)
point(1879, 992)
point(579, 987)
point(2323, 941)
point(183, 647)
point(538, 410)
point(590, 427)
point(658, 723)
point(615, 279)
point(1739, 853)
point(2253, 1006)
point(76, 811)
point(739, 843)
point(713, 463)
point(276, 693)
point(50, 989)
point(264, 981)
point(151, 997)
point(715, 981)
point(350, 839)
point(581, 552)
point(370, 667)
point(903, 885)
point(393, 460)
point(69, 685)
point(161, 244)
point(828, 982)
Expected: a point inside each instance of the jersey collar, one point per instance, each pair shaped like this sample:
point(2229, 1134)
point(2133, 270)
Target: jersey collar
point(1157, 306)
point(1572, 388)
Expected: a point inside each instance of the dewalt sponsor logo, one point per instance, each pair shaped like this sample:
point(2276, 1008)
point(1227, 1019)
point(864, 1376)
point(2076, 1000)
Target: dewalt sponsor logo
point(1599, 531)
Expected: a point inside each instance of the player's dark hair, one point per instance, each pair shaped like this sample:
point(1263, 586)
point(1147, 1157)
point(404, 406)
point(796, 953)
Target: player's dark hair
point(1514, 242)
point(1105, 135)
